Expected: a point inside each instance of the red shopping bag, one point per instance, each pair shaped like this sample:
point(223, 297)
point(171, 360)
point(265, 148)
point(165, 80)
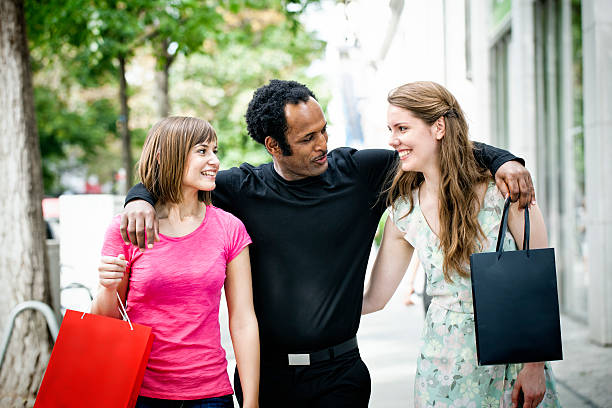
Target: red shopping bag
point(97, 361)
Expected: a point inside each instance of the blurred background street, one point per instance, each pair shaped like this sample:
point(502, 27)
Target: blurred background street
point(389, 343)
point(533, 77)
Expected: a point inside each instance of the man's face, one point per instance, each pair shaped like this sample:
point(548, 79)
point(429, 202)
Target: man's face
point(307, 138)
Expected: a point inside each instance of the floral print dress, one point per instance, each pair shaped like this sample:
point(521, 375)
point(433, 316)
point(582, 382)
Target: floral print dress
point(448, 374)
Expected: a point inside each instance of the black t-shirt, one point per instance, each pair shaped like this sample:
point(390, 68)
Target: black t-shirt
point(311, 242)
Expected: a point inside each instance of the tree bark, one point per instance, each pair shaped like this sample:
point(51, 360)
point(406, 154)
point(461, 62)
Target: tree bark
point(23, 271)
point(124, 128)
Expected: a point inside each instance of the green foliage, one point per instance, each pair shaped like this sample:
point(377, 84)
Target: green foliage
point(379, 231)
point(220, 52)
point(63, 131)
point(180, 27)
point(221, 83)
point(88, 35)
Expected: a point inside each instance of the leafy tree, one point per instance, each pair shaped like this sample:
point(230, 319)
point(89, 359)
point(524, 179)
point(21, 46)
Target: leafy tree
point(90, 43)
point(98, 38)
point(63, 131)
point(218, 85)
point(178, 28)
point(184, 27)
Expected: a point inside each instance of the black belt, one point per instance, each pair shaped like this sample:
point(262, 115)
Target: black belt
point(311, 358)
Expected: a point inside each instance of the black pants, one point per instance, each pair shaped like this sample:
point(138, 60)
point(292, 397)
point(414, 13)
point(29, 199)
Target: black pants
point(341, 382)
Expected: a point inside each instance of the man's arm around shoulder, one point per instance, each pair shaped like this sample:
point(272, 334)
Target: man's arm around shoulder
point(511, 176)
point(139, 224)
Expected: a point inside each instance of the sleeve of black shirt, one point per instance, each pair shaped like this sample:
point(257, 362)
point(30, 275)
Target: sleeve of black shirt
point(139, 192)
point(224, 194)
point(375, 166)
point(493, 157)
point(221, 194)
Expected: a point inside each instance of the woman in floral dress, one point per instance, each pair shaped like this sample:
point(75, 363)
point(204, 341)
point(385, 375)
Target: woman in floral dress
point(443, 205)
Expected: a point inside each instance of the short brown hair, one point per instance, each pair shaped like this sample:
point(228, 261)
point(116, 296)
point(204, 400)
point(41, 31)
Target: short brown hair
point(164, 155)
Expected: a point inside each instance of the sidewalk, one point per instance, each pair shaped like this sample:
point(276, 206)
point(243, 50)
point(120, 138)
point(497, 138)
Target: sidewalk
point(389, 344)
point(583, 377)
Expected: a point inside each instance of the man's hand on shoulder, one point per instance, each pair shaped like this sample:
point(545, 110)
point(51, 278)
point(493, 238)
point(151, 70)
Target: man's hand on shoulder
point(139, 224)
point(514, 179)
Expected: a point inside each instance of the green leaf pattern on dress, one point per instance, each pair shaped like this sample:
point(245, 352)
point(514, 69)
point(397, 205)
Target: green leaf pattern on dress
point(448, 374)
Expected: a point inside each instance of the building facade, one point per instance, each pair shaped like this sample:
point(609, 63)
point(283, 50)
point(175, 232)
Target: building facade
point(535, 77)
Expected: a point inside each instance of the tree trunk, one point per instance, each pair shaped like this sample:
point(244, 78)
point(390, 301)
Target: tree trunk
point(162, 73)
point(163, 105)
point(124, 127)
point(22, 237)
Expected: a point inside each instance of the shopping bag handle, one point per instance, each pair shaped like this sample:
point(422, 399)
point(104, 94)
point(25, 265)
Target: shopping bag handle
point(122, 312)
point(504, 226)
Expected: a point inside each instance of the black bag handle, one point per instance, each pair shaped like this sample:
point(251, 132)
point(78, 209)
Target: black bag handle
point(504, 226)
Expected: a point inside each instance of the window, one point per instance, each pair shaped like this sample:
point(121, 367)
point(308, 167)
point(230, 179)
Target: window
point(499, 89)
point(468, 39)
point(560, 144)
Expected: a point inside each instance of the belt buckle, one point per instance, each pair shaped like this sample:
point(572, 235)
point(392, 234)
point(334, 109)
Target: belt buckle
point(299, 359)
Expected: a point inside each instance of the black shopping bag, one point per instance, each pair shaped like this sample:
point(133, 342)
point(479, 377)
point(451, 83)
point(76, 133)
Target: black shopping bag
point(516, 307)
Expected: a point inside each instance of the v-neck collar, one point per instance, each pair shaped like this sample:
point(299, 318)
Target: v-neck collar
point(418, 203)
point(430, 230)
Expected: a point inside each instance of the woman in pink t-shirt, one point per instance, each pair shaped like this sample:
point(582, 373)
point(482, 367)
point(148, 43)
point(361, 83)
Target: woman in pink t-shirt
point(175, 286)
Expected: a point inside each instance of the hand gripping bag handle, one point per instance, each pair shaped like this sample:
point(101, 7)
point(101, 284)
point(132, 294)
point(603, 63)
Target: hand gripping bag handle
point(504, 226)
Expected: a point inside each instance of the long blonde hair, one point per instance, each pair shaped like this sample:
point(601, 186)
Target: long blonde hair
point(164, 155)
point(460, 231)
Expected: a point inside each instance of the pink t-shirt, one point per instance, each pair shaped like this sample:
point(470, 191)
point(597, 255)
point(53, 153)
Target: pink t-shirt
point(175, 288)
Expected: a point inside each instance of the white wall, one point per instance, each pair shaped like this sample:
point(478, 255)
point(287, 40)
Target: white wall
point(83, 223)
point(417, 52)
point(597, 46)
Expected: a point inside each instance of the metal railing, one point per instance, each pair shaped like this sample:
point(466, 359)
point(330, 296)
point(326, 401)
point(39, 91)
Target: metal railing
point(77, 285)
point(28, 305)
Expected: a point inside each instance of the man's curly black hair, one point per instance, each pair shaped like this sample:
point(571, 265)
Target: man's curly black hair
point(265, 115)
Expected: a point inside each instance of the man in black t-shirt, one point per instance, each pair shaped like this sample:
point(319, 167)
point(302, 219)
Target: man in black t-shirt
point(312, 215)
